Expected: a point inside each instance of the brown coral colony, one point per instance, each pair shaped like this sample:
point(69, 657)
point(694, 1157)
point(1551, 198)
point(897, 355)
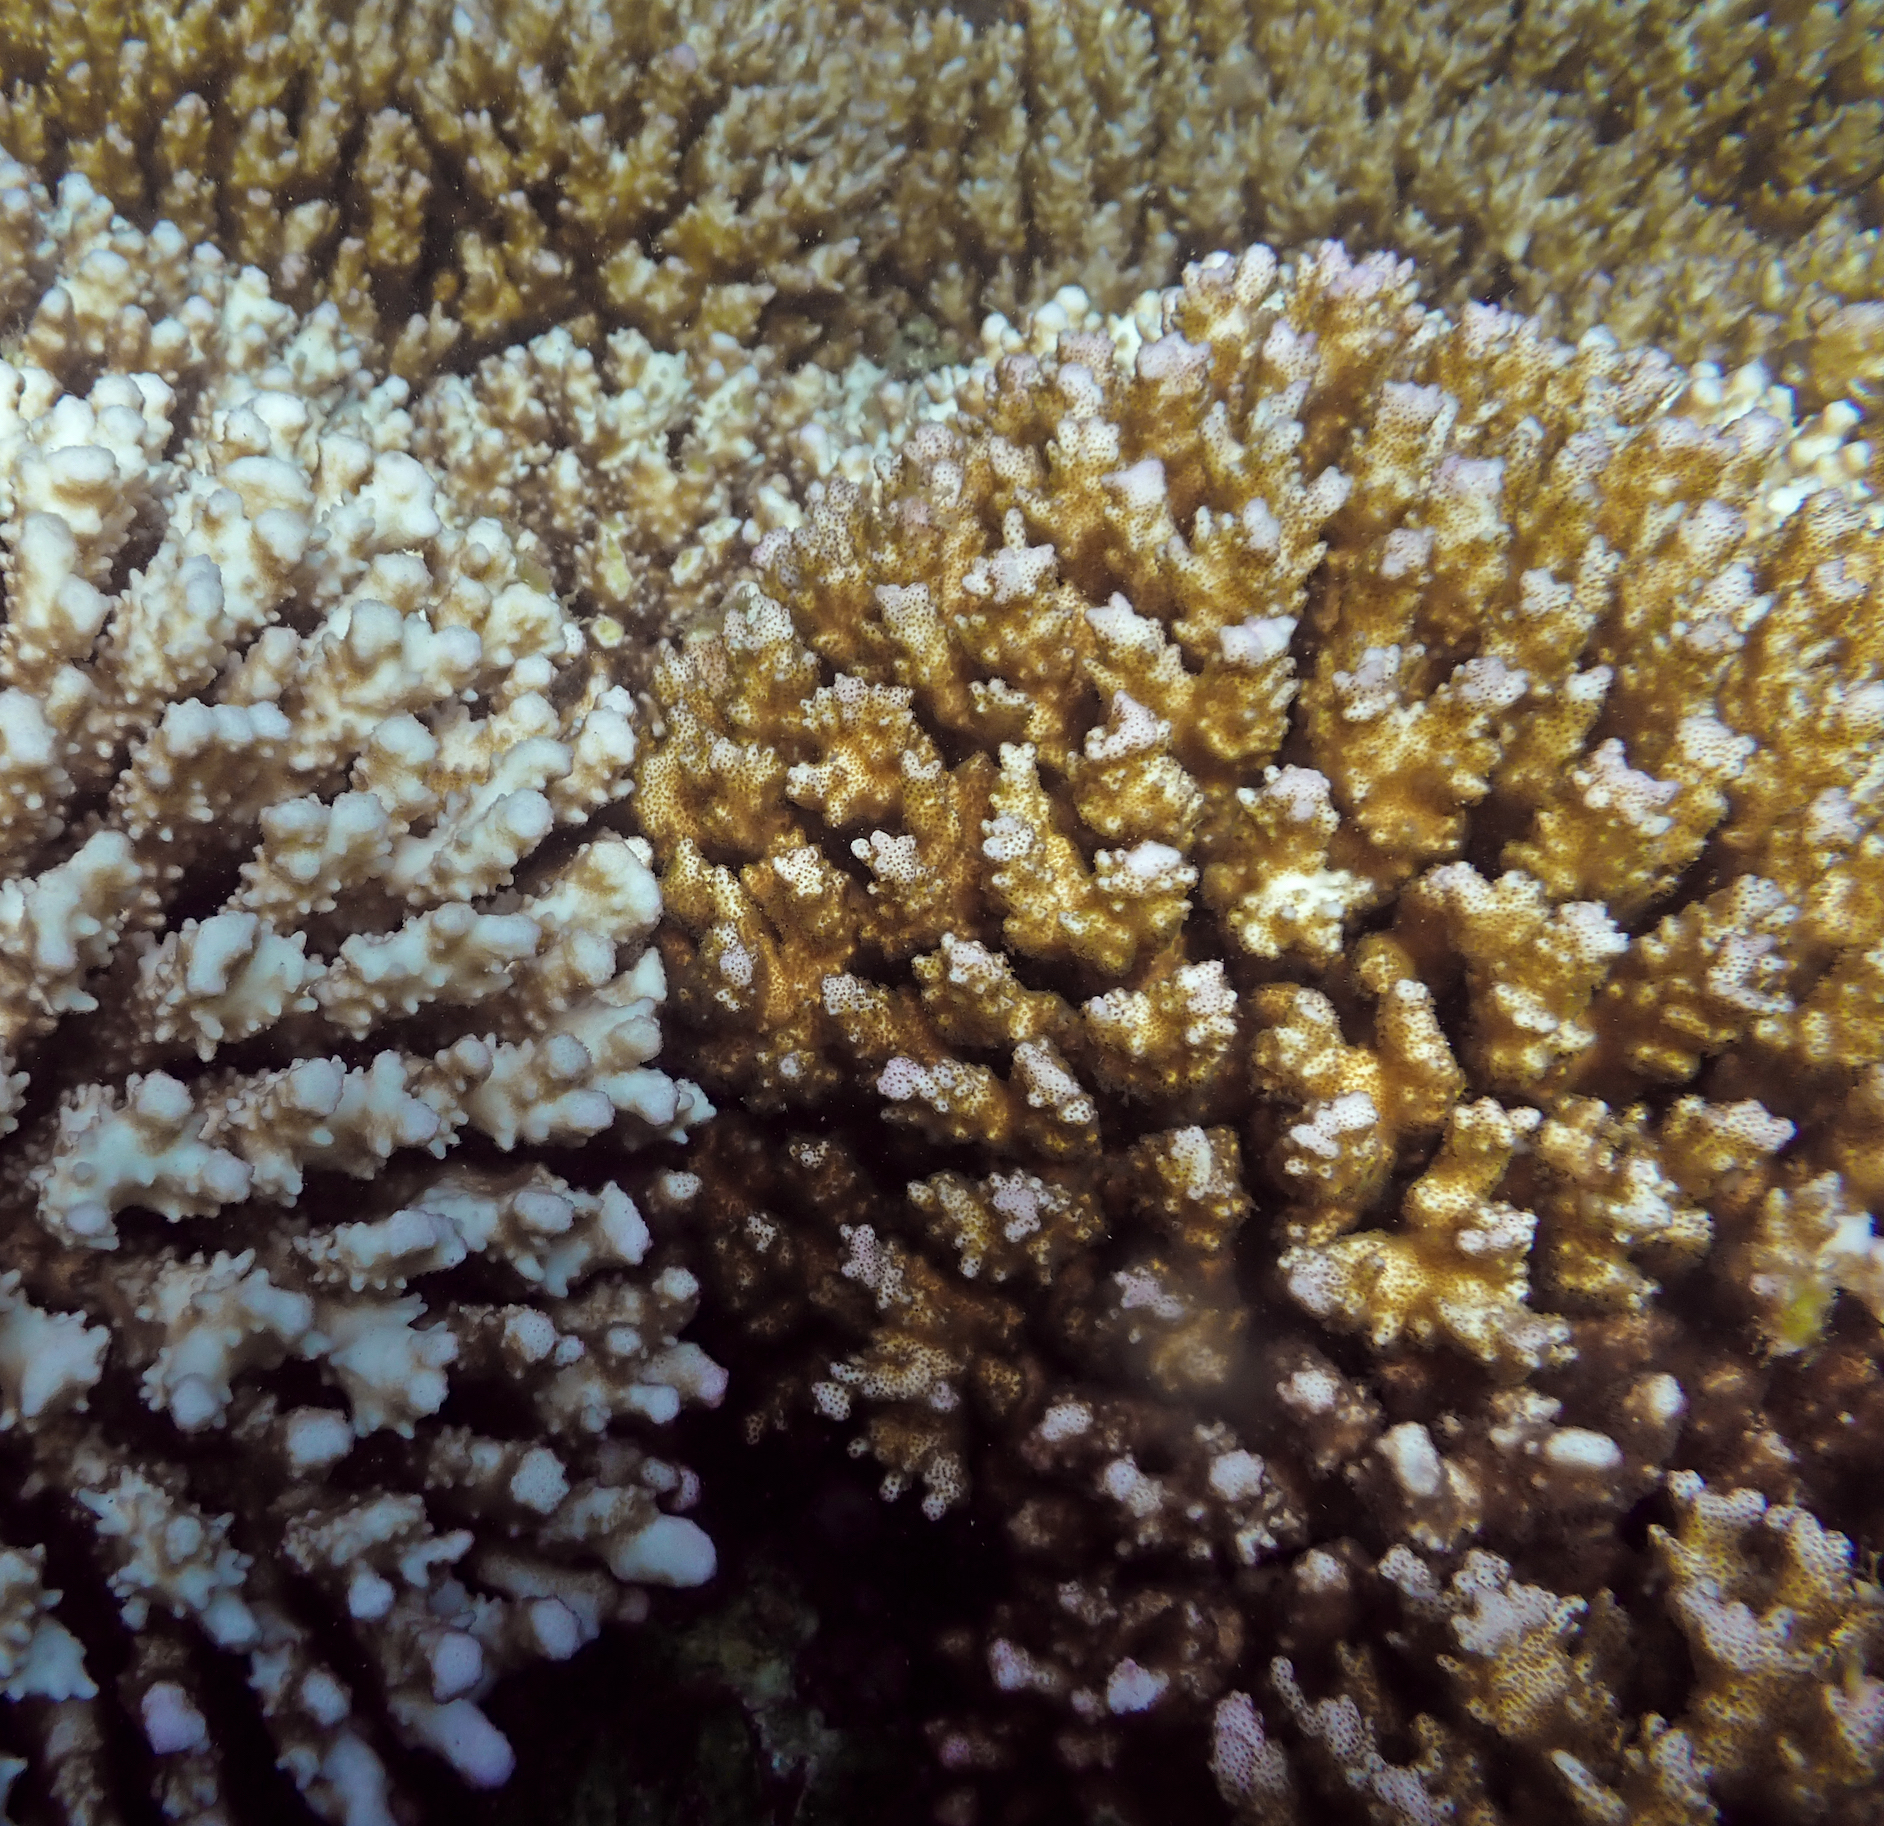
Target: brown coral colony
point(1307, 858)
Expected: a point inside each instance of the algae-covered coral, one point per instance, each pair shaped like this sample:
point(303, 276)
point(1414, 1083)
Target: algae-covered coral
point(1284, 908)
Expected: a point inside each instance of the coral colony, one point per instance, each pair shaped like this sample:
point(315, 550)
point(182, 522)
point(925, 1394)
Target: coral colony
point(306, 882)
point(1222, 913)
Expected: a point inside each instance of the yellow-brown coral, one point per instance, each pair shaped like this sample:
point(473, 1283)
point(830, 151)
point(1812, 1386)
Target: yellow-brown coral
point(1283, 803)
point(830, 174)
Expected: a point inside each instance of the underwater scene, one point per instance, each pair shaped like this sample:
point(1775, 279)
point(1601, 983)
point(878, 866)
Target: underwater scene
point(941, 915)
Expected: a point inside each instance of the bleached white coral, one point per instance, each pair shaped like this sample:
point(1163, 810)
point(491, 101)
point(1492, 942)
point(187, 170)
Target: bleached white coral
point(297, 903)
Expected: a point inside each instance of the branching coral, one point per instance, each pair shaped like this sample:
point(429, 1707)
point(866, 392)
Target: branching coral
point(641, 477)
point(755, 184)
point(1692, 176)
point(1284, 885)
point(1787, 1706)
point(303, 933)
point(1275, 824)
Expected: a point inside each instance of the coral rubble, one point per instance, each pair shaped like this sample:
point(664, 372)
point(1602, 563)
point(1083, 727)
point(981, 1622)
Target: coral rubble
point(311, 910)
point(1283, 911)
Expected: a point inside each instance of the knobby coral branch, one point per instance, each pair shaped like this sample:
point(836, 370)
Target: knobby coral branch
point(1260, 871)
point(311, 912)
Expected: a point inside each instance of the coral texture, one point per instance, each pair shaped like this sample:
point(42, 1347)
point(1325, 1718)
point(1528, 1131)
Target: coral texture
point(1288, 907)
point(833, 174)
point(310, 914)
point(641, 478)
point(1282, 881)
point(642, 219)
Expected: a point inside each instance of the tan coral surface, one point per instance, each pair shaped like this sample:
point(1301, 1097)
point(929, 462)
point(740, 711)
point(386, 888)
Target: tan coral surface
point(755, 290)
point(830, 174)
point(311, 915)
point(669, 263)
point(1286, 912)
point(1288, 901)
